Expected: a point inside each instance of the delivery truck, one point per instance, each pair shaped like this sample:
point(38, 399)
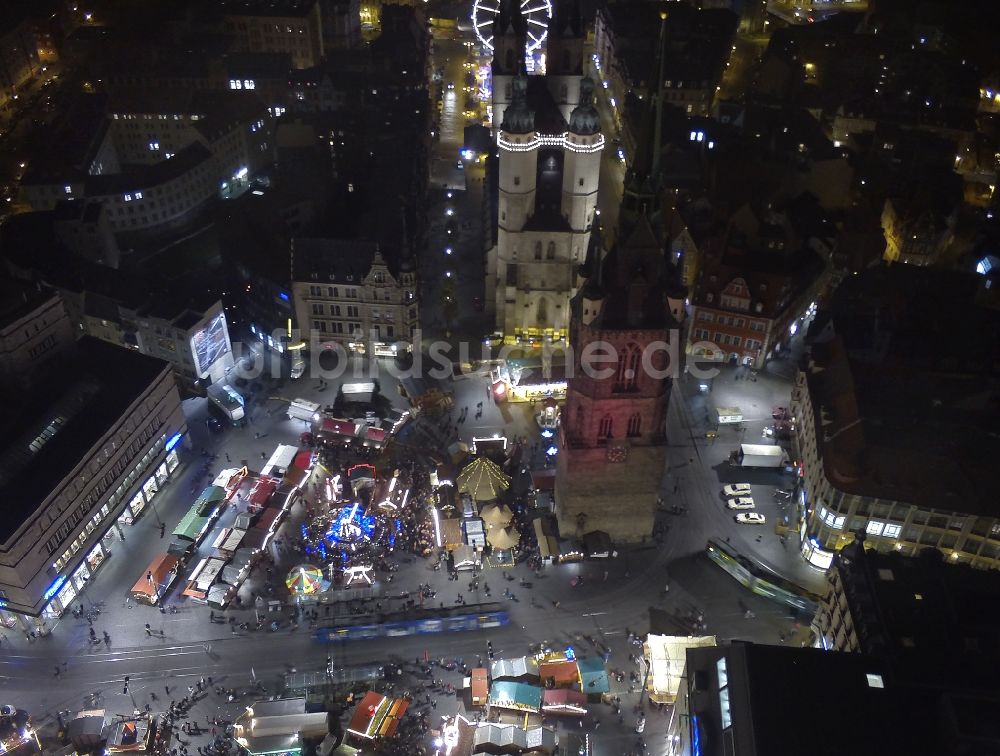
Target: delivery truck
point(758, 455)
point(728, 415)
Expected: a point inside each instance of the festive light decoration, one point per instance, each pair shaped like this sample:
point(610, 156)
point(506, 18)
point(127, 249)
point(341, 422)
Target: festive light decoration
point(483, 480)
point(548, 140)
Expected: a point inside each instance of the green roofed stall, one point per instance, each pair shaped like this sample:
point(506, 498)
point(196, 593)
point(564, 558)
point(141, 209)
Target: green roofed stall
point(507, 694)
point(209, 499)
point(593, 676)
point(190, 525)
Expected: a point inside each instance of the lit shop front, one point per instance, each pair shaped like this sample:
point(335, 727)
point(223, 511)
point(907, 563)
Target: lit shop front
point(527, 381)
point(140, 486)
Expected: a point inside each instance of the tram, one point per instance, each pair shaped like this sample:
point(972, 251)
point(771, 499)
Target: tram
point(415, 622)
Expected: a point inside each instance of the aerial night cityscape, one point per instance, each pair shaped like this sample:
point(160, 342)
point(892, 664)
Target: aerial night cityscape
point(457, 377)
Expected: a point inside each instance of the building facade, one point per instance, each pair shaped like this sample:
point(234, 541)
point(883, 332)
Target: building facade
point(345, 291)
point(549, 164)
point(193, 340)
point(865, 466)
point(916, 234)
point(293, 27)
point(156, 164)
point(84, 456)
point(754, 287)
point(35, 330)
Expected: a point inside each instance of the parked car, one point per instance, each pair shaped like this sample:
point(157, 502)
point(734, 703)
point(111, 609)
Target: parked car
point(737, 489)
point(742, 502)
point(213, 424)
point(750, 518)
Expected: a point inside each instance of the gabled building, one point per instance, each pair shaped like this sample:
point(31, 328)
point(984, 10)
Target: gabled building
point(345, 291)
point(754, 285)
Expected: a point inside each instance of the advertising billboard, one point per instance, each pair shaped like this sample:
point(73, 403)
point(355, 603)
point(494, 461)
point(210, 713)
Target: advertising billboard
point(210, 343)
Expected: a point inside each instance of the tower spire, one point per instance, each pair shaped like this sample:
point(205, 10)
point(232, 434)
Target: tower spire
point(658, 127)
point(644, 177)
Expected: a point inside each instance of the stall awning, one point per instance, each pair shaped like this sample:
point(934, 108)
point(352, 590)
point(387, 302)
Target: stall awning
point(561, 673)
point(190, 525)
point(339, 427)
point(564, 701)
point(543, 480)
point(548, 546)
point(593, 676)
point(209, 499)
point(451, 533)
point(376, 435)
point(506, 694)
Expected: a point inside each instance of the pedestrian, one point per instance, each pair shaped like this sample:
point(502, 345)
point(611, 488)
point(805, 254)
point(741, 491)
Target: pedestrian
point(166, 689)
point(57, 670)
point(263, 455)
point(149, 631)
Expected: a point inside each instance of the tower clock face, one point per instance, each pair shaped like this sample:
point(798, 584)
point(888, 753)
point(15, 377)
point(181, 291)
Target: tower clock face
point(617, 452)
point(536, 14)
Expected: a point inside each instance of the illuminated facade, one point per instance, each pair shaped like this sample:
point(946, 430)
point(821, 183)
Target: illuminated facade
point(345, 291)
point(84, 456)
point(550, 141)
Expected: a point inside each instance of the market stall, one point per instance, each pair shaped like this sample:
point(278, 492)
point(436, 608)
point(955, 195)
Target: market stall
point(518, 696)
point(483, 480)
point(209, 499)
point(156, 579)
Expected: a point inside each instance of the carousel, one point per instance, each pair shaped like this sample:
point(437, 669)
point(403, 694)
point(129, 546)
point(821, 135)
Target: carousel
point(548, 416)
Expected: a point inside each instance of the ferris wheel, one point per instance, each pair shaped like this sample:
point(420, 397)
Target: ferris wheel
point(536, 14)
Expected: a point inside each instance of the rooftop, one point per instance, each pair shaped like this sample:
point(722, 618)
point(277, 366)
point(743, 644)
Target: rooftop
point(272, 8)
point(905, 392)
point(48, 432)
point(146, 176)
point(941, 618)
point(19, 298)
point(781, 697)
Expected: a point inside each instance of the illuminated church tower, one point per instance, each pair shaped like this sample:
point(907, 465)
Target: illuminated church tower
point(549, 142)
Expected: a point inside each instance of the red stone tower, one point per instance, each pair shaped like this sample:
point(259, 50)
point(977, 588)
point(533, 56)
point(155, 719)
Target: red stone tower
point(628, 315)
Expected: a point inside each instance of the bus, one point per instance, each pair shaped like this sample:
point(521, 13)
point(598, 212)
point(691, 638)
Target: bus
point(415, 622)
point(761, 580)
point(227, 402)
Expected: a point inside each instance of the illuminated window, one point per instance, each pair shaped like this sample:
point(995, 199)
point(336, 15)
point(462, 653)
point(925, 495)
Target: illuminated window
point(892, 531)
point(875, 527)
